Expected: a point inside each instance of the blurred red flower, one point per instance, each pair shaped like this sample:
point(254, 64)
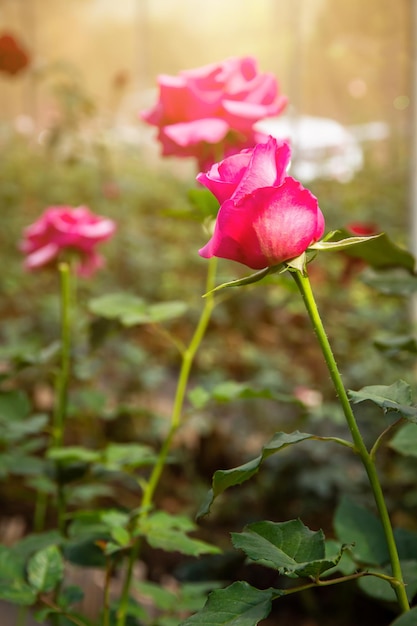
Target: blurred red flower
point(13, 57)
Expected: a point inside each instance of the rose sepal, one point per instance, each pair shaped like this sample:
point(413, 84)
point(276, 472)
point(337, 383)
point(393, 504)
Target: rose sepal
point(248, 280)
point(341, 244)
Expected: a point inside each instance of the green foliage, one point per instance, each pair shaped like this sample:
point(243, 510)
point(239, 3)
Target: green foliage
point(170, 532)
point(130, 310)
point(407, 619)
point(223, 479)
point(379, 252)
point(289, 547)
point(122, 388)
point(405, 440)
point(238, 604)
point(45, 569)
point(396, 397)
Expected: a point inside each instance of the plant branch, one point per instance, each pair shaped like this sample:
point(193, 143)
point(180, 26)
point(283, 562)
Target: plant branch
point(188, 356)
point(303, 283)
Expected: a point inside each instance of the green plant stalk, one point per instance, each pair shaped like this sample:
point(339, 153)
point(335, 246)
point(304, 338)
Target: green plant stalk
point(62, 381)
point(64, 372)
point(188, 356)
point(303, 283)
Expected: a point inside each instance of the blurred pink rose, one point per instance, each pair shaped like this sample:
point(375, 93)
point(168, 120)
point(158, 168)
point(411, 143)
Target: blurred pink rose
point(65, 228)
point(209, 112)
point(265, 217)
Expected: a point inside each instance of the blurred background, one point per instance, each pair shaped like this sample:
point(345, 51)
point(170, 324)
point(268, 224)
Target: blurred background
point(70, 133)
point(334, 59)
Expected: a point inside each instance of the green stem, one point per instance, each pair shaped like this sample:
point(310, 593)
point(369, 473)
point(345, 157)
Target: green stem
point(106, 594)
point(64, 373)
point(22, 615)
point(62, 382)
point(39, 515)
point(304, 286)
point(188, 356)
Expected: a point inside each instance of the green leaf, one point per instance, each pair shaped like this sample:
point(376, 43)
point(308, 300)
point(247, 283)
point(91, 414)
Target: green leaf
point(395, 282)
point(14, 405)
point(396, 397)
point(346, 565)
point(45, 569)
point(122, 456)
point(407, 619)
point(15, 430)
point(121, 536)
point(223, 479)
point(162, 598)
point(240, 604)
point(156, 313)
point(17, 592)
point(396, 344)
point(378, 252)
point(381, 589)
point(355, 525)
point(341, 244)
point(85, 551)
point(230, 390)
point(169, 532)
point(405, 440)
point(289, 547)
point(71, 454)
point(204, 201)
point(130, 310)
point(35, 542)
point(73, 594)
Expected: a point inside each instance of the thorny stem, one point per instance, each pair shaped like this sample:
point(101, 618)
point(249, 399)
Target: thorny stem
point(303, 283)
point(188, 355)
point(62, 382)
point(336, 581)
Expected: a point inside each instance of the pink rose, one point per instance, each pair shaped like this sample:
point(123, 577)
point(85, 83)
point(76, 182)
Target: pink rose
point(265, 217)
point(62, 228)
point(210, 112)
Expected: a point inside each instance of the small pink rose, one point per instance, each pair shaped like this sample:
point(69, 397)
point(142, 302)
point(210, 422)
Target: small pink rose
point(64, 228)
point(265, 216)
point(210, 112)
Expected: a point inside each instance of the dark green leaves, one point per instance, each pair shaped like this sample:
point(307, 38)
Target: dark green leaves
point(223, 479)
point(405, 440)
point(355, 525)
point(21, 581)
point(407, 619)
point(396, 397)
point(237, 605)
point(289, 547)
point(360, 527)
point(170, 533)
point(131, 310)
point(378, 252)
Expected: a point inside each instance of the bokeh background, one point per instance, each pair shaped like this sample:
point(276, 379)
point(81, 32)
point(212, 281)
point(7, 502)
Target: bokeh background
point(70, 133)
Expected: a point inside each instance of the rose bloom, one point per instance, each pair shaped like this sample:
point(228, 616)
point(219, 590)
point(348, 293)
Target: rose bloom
point(66, 229)
point(210, 112)
point(13, 58)
point(265, 216)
